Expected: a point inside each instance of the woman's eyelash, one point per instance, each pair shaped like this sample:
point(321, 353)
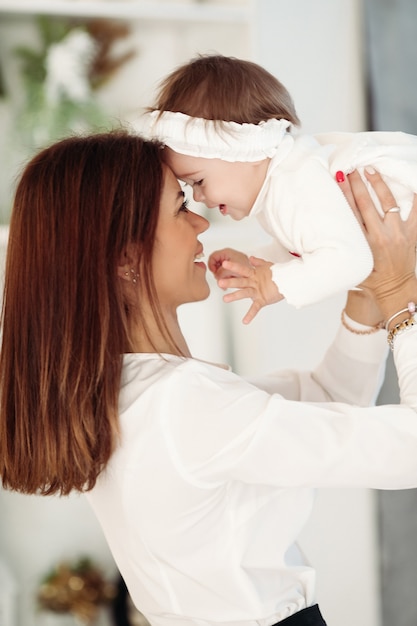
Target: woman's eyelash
point(184, 206)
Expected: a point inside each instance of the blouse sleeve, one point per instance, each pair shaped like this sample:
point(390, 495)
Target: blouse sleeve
point(219, 428)
point(351, 371)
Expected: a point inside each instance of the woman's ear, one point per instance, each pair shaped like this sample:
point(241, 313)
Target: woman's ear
point(128, 262)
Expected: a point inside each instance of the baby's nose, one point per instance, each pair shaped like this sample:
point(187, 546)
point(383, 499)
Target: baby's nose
point(198, 194)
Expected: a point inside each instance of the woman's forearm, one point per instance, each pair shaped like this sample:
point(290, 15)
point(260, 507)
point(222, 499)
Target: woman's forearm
point(362, 308)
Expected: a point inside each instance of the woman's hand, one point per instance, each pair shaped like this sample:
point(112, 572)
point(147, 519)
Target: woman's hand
point(393, 281)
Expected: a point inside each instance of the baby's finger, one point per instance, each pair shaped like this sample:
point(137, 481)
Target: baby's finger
point(215, 260)
point(258, 262)
point(213, 265)
point(234, 282)
point(253, 311)
point(223, 274)
point(237, 268)
point(239, 294)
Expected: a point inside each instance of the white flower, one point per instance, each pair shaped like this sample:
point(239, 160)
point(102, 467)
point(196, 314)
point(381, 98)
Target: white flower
point(67, 65)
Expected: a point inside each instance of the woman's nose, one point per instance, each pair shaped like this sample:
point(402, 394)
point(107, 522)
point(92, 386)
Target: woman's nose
point(200, 223)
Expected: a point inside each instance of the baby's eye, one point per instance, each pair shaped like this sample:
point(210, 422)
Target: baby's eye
point(198, 182)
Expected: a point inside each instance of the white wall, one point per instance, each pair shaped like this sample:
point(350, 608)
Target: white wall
point(314, 48)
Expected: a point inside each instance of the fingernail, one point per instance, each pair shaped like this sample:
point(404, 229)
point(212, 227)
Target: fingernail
point(340, 177)
point(369, 169)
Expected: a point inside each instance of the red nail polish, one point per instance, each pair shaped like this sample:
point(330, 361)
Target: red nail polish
point(340, 177)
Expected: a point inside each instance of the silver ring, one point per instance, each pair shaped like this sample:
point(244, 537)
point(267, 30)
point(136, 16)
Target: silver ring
point(395, 209)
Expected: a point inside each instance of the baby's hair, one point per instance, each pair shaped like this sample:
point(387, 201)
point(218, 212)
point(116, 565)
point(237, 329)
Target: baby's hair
point(217, 87)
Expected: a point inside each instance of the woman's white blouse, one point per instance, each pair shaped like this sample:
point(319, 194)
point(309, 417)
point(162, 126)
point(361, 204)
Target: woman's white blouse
point(214, 478)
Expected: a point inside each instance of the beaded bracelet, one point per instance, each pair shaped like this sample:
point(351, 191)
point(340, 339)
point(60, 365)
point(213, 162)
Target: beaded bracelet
point(400, 328)
point(368, 331)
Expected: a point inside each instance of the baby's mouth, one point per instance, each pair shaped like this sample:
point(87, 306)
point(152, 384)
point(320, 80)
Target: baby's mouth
point(223, 209)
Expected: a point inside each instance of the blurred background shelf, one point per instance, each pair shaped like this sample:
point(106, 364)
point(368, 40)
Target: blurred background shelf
point(177, 11)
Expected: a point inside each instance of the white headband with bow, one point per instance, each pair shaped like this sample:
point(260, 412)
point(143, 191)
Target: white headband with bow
point(213, 139)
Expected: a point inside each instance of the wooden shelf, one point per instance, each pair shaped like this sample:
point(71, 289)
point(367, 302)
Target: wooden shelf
point(130, 9)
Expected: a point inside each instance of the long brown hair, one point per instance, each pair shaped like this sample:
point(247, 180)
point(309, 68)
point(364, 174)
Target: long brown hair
point(217, 87)
point(65, 321)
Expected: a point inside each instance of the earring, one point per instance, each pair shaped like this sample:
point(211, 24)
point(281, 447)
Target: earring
point(134, 276)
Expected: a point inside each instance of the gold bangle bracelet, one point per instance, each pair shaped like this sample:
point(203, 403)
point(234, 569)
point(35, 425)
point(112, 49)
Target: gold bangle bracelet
point(368, 331)
point(411, 308)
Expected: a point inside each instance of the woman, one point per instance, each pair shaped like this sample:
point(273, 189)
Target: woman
point(200, 480)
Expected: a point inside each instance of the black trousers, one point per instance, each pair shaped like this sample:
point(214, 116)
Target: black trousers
point(307, 617)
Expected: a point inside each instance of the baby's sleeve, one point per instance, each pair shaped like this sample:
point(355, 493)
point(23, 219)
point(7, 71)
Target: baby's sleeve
point(314, 220)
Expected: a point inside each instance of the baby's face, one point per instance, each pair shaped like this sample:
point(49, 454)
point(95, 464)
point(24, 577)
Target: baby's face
point(230, 187)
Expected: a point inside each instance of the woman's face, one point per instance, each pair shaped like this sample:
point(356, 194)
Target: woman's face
point(179, 276)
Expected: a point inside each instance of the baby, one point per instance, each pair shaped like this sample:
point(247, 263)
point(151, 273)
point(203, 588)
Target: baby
point(226, 125)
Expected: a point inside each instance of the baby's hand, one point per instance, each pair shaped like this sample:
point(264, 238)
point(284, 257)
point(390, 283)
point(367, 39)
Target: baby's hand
point(216, 259)
point(253, 282)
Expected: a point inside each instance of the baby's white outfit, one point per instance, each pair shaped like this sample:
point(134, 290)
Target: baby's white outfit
point(300, 203)
point(302, 207)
